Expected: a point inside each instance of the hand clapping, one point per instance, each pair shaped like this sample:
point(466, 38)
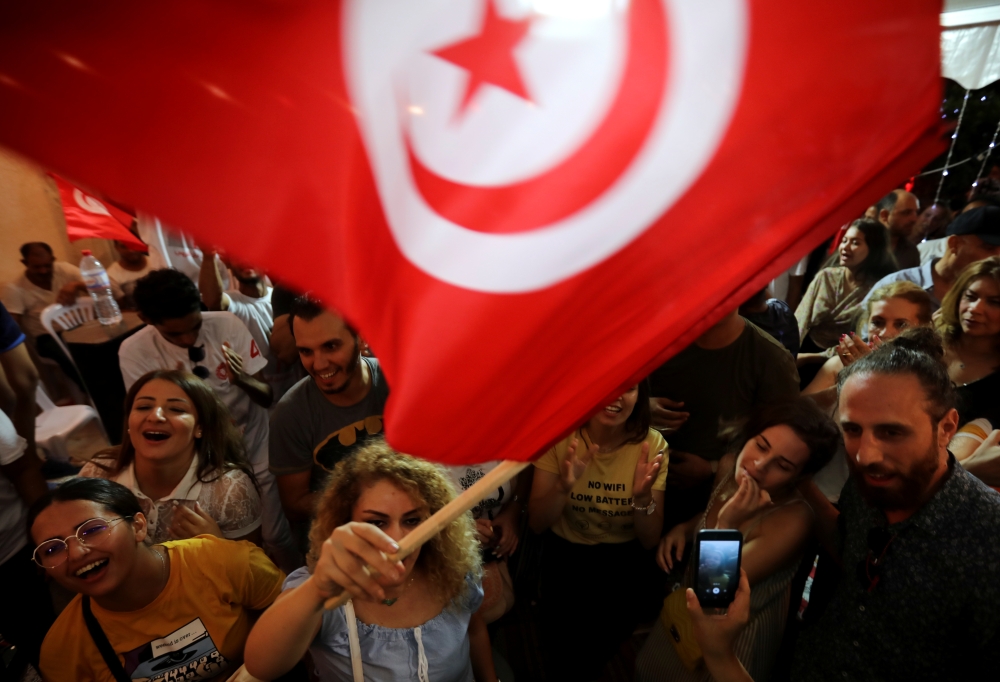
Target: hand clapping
point(645, 474)
point(573, 466)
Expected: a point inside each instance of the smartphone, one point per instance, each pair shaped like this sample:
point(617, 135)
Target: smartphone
point(717, 553)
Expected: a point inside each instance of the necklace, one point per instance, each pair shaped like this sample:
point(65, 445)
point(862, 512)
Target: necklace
point(163, 564)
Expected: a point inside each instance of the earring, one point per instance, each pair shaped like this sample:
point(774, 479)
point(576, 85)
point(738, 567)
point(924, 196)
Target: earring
point(197, 435)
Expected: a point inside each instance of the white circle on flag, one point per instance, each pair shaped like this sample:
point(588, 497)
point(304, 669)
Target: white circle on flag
point(89, 204)
point(407, 100)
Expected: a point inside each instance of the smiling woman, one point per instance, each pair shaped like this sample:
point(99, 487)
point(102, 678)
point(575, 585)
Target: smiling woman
point(184, 460)
point(832, 303)
point(597, 498)
point(158, 608)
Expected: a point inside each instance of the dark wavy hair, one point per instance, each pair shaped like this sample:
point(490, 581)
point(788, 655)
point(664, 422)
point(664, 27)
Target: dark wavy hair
point(114, 497)
point(220, 447)
point(820, 434)
point(880, 261)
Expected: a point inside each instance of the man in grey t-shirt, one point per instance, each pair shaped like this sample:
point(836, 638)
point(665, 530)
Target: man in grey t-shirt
point(327, 415)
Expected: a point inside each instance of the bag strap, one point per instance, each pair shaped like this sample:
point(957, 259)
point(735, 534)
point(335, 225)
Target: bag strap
point(355, 642)
point(103, 645)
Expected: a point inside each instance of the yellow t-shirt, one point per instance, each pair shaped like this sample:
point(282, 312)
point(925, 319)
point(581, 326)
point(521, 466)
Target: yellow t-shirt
point(195, 629)
point(600, 504)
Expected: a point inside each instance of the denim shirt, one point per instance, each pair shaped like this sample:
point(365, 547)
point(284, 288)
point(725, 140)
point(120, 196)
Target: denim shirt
point(934, 613)
point(391, 654)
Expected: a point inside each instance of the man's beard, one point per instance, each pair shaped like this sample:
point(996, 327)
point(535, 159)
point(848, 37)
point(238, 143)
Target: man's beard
point(912, 486)
point(348, 372)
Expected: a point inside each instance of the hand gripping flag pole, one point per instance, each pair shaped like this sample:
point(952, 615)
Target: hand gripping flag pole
point(504, 471)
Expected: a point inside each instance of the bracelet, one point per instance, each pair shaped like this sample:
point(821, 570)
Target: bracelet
point(638, 508)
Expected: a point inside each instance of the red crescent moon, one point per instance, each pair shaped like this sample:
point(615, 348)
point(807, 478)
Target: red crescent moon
point(591, 170)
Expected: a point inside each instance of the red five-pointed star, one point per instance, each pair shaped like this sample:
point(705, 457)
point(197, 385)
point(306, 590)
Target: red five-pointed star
point(489, 56)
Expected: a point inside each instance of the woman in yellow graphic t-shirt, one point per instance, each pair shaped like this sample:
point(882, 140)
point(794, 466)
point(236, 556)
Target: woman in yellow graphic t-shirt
point(597, 498)
point(176, 610)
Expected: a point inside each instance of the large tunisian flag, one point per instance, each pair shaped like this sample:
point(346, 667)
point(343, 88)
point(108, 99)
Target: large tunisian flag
point(523, 204)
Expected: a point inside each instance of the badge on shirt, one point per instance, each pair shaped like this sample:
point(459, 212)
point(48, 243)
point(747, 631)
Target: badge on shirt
point(187, 653)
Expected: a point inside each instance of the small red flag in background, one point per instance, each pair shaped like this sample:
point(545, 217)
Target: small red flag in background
point(90, 218)
point(522, 205)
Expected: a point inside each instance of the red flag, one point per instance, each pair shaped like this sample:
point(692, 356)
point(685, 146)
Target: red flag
point(522, 205)
point(88, 217)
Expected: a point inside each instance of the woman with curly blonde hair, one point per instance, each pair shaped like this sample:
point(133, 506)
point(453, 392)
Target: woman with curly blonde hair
point(408, 620)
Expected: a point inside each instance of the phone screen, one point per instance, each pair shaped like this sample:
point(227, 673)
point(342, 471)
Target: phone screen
point(718, 571)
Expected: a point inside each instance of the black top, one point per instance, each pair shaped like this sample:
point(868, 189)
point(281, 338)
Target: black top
point(980, 399)
point(724, 384)
point(934, 613)
point(282, 299)
point(778, 321)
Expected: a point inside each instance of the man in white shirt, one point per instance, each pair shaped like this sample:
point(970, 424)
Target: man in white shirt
point(44, 282)
point(219, 349)
point(251, 303)
point(130, 267)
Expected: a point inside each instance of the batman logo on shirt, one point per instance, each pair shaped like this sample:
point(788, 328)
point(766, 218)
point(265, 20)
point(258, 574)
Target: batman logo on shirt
point(346, 441)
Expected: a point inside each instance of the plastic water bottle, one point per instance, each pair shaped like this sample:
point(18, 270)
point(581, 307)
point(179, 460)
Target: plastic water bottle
point(99, 286)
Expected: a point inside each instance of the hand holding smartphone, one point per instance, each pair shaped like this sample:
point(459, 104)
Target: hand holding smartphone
point(718, 554)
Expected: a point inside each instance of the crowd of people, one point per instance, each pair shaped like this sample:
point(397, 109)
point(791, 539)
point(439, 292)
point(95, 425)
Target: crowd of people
point(847, 428)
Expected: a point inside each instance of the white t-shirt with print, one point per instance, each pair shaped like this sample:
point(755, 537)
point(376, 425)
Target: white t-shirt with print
point(258, 316)
point(465, 475)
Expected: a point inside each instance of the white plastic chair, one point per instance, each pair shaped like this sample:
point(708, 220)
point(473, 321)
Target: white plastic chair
point(56, 428)
point(68, 317)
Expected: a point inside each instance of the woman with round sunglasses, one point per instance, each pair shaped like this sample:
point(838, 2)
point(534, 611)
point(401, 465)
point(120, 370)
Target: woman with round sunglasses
point(183, 458)
point(180, 609)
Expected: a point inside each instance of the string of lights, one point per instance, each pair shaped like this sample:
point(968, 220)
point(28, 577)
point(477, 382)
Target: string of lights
point(951, 149)
point(986, 154)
